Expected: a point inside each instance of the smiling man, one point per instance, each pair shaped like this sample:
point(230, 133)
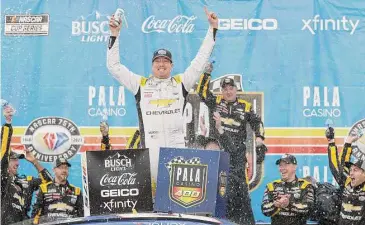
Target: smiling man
point(58, 199)
point(288, 200)
point(350, 175)
point(161, 98)
point(16, 189)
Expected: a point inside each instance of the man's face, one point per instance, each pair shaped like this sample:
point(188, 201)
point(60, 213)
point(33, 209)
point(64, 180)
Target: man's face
point(229, 93)
point(13, 166)
point(61, 172)
point(287, 170)
point(212, 146)
point(357, 176)
point(161, 68)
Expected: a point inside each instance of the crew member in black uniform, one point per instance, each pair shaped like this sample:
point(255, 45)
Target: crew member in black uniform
point(350, 175)
point(58, 199)
point(235, 113)
point(16, 190)
point(289, 199)
point(239, 208)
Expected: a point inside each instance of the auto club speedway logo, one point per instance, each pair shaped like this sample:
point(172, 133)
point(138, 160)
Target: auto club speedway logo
point(188, 181)
point(358, 147)
point(49, 138)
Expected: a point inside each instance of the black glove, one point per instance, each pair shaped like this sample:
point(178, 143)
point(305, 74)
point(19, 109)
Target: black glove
point(330, 133)
point(260, 153)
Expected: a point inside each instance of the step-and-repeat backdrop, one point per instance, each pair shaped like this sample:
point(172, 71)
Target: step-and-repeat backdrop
point(301, 63)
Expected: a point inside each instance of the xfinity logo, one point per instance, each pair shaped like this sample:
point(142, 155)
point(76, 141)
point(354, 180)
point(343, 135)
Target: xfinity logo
point(113, 205)
point(247, 24)
point(316, 24)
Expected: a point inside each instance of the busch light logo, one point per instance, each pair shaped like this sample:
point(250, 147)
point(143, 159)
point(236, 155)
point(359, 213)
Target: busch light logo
point(93, 27)
point(118, 162)
point(49, 138)
point(179, 24)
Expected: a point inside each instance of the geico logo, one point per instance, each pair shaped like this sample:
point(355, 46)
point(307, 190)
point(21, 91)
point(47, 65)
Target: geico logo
point(247, 24)
point(119, 192)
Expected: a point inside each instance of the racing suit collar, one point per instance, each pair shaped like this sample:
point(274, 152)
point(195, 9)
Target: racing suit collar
point(58, 184)
point(160, 79)
point(231, 103)
point(359, 187)
point(292, 182)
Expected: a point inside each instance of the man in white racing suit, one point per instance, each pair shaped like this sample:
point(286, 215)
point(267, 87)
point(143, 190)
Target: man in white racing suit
point(160, 98)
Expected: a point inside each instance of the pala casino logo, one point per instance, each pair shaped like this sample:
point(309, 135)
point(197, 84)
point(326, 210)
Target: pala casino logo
point(49, 138)
point(358, 147)
point(188, 181)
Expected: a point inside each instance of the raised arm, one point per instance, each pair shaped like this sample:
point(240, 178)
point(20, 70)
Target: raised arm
point(105, 141)
point(127, 78)
point(196, 68)
point(6, 134)
point(204, 93)
point(333, 159)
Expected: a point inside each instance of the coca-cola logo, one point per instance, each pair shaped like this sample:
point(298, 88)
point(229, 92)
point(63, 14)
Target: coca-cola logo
point(122, 179)
point(179, 24)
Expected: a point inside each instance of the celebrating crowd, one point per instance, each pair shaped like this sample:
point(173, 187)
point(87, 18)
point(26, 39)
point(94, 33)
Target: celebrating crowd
point(160, 101)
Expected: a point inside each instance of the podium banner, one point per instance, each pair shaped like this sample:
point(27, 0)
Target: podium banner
point(188, 182)
point(117, 181)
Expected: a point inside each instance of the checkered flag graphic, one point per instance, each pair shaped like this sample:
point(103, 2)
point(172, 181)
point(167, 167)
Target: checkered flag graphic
point(180, 159)
point(194, 161)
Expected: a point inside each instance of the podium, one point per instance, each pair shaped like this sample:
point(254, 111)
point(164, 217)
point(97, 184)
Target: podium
point(116, 181)
point(192, 181)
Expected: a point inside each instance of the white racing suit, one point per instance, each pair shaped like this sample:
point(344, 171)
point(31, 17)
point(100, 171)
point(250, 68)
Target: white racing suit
point(160, 102)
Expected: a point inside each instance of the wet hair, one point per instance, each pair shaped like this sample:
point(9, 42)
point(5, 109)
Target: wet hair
point(202, 141)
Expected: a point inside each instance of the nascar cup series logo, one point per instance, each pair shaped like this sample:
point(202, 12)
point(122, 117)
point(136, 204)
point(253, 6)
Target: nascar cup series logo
point(93, 27)
point(358, 147)
point(49, 138)
point(321, 101)
point(110, 99)
point(188, 181)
